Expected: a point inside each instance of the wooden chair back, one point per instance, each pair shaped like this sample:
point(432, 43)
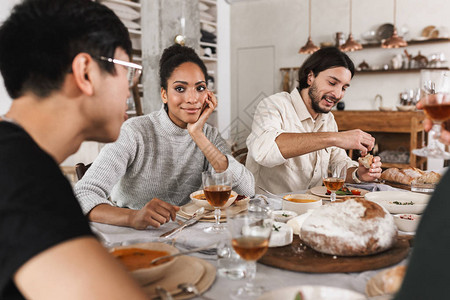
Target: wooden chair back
point(80, 169)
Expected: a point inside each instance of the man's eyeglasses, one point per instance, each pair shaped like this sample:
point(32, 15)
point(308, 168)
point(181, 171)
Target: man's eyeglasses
point(134, 70)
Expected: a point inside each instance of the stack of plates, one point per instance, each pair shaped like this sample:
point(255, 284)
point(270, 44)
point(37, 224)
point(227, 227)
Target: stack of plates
point(187, 269)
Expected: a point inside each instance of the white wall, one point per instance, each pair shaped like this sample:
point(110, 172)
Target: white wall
point(5, 100)
point(283, 25)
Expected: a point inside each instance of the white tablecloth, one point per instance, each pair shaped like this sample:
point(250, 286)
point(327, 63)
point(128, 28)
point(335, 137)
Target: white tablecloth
point(269, 277)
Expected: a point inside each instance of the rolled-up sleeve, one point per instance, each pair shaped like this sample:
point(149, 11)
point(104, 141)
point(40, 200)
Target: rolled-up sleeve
point(266, 127)
point(339, 154)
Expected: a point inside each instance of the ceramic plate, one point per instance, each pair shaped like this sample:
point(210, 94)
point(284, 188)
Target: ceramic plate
point(283, 215)
point(397, 202)
point(187, 210)
point(187, 269)
point(203, 202)
point(321, 192)
point(316, 292)
point(384, 31)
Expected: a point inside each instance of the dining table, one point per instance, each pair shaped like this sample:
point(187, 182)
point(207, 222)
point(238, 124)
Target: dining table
point(271, 278)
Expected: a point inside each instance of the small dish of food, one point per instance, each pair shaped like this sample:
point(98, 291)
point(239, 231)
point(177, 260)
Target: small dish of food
point(301, 203)
point(241, 200)
point(199, 199)
point(282, 235)
point(283, 215)
point(399, 202)
point(137, 257)
point(406, 107)
point(422, 187)
point(407, 222)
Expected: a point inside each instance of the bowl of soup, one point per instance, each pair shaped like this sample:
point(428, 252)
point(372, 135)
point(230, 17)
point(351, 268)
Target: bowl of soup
point(301, 203)
point(137, 257)
point(199, 199)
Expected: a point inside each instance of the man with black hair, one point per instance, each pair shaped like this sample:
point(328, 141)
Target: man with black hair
point(66, 64)
point(294, 137)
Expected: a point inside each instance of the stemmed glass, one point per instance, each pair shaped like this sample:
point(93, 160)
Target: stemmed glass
point(250, 233)
point(217, 189)
point(334, 178)
point(435, 87)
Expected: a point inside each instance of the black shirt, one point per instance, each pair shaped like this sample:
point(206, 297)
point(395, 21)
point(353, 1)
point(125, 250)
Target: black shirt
point(38, 208)
point(428, 273)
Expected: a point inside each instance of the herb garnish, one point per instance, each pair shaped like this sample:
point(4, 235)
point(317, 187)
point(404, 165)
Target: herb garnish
point(403, 203)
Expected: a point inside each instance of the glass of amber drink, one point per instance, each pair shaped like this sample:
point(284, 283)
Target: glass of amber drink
point(435, 92)
point(334, 179)
point(250, 234)
point(217, 189)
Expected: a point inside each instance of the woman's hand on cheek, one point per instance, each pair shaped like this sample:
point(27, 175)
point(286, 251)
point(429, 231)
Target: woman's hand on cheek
point(208, 107)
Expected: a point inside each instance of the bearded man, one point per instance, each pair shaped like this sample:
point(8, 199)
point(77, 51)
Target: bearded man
point(294, 136)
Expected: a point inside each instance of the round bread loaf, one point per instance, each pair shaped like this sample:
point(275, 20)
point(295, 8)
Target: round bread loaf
point(352, 227)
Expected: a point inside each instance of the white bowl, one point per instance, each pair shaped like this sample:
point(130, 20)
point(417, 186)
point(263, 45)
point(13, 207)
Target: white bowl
point(202, 202)
point(147, 275)
point(283, 215)
point(281, 235)
point(397, 202)
point(407, 222)
point(406, 107)
point(301, 207)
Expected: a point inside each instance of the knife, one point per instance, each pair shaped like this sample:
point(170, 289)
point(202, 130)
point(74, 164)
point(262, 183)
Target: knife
point(198, 214)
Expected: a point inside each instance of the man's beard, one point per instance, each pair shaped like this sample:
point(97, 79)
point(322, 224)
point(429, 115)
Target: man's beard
point(315, 99)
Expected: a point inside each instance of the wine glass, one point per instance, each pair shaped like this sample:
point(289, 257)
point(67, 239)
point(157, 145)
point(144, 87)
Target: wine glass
point(334, 178)
point(217, 189)
point(250, 233)
point(435, 87)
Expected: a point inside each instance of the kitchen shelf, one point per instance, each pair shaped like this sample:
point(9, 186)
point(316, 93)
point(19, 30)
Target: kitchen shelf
point(410, 43)
point(134, 31)
point(210, 2)
point(211, 62)
point(207, 59)
point(392, 71)
point(378, 45)
point(209, 23)
point(127, 3)
point(208, 44)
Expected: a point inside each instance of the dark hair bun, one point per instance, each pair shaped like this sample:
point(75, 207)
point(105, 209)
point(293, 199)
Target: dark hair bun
point(173, 57)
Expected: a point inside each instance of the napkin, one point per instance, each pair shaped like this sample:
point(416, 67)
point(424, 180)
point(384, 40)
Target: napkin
point(374, 187)
point(111, 235)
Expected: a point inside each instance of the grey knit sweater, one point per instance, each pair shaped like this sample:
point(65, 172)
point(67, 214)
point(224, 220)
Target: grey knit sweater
point(154, 158)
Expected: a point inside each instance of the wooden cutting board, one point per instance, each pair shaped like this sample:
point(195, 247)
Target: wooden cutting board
point(309, 260)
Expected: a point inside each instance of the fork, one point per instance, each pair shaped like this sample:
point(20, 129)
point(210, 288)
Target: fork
point(269, 193)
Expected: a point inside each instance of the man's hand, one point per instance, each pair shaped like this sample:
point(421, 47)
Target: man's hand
point(355, 139)
point(427, 124)
point(155, 213)
point(372, 173)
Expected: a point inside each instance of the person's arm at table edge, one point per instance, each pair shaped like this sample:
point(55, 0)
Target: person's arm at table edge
point(78, 276)
point(154, 213)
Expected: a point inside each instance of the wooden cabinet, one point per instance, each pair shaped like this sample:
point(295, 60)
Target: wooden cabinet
point(392, 130)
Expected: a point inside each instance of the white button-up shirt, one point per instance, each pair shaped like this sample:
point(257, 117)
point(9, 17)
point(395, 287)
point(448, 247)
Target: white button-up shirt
point(277, 114)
